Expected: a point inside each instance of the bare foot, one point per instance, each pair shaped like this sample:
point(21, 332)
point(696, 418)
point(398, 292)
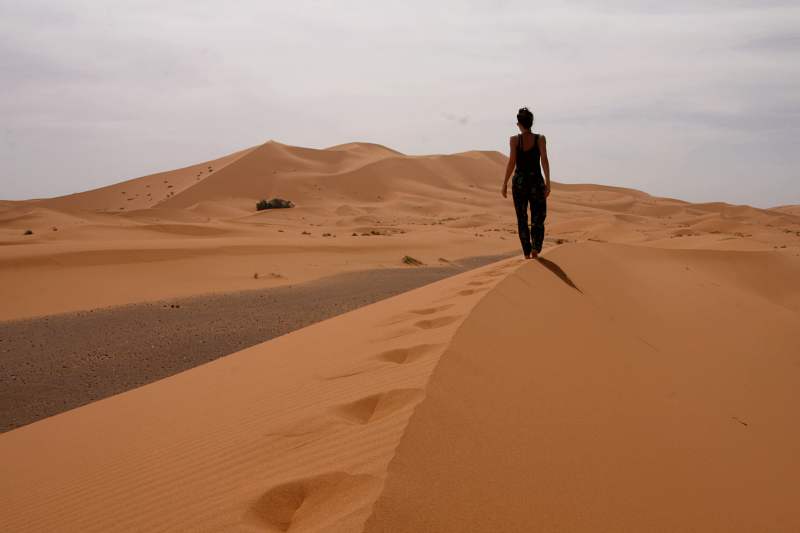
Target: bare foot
point(534, 255)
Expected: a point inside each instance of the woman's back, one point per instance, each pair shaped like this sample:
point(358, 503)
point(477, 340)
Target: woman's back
point(528, 153)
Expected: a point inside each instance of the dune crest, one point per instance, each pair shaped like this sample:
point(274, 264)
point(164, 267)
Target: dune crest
point(640, 376)
point(291, 435)
point(359, 206)
point(611, 388)
point(522, 396)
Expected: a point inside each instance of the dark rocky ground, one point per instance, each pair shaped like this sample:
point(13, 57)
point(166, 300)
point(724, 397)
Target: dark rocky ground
point(56, 363)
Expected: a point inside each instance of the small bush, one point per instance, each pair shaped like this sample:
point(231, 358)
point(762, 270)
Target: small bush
point(28, 232)
point(407, 259)
point(275, 203)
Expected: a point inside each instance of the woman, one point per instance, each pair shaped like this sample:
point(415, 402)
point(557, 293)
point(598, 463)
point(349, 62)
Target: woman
point(528, 185)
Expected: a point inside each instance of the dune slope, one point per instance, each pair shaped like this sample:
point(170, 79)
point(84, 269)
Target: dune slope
point(358, 206)
point(607, 387)
point(612, 388)
point(291, 435)
point(145, 192)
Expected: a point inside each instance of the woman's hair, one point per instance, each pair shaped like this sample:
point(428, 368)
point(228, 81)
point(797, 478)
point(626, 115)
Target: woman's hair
point(525, 118)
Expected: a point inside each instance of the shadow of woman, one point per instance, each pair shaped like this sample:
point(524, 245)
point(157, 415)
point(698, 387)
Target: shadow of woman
point(555, 269)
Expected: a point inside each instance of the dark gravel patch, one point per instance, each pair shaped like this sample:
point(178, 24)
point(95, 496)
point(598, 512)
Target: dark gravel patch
point(55, 363)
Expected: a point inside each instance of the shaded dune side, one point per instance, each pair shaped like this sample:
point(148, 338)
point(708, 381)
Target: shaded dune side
point(612, 388)
point(290, 435)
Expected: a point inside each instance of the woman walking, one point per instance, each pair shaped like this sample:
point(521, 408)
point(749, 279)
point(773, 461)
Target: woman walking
point(528, 156)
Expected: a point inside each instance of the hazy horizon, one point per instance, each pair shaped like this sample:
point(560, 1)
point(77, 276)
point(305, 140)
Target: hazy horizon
point(690, 101)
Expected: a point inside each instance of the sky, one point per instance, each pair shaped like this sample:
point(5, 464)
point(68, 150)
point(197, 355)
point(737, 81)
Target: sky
point(697, 100)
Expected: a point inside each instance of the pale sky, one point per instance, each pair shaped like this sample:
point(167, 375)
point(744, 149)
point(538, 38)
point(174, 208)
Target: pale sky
point(687, 99)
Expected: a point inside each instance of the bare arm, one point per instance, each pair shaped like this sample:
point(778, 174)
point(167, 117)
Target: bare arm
point(545, 162)
point(512, 162)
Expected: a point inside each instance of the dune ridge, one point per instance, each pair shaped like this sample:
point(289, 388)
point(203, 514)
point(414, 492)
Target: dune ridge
point(522, 396)
point(639, 377)
point(611, 388)
point(359, 206)
point(293, 434)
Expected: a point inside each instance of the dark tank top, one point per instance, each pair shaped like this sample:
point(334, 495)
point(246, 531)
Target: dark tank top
point(528, 160)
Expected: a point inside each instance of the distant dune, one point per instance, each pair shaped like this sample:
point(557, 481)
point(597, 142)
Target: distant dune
point(790, 209)
point(641, 376)
point(175, 233)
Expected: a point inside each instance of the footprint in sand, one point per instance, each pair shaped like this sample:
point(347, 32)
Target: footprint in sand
point(439, 322)
point(402, 356)
point(377, 406)
point(397, 356)
point(304, 502)
point(468, 292)
point(431, 310)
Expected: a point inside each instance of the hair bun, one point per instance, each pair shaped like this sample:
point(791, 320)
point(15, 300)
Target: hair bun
point(525, 117)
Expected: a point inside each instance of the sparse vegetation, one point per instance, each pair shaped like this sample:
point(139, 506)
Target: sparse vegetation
point(275, 203)
point(408, 260)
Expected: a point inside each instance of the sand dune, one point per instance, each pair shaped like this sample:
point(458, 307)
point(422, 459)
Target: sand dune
point(612, 388)
point(790, 209)
point(608, 387)
point(638, 378)
point(428, 207)
point(294, 432)
point(145, 192)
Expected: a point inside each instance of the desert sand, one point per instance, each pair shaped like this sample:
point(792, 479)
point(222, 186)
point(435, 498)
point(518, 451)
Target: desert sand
point(641, 376)
point(55, 363)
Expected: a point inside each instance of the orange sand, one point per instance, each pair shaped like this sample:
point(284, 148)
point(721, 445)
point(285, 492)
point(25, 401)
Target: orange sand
point(198, 231)
point(639, 378)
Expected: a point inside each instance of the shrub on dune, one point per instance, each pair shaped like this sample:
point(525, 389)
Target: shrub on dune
point(275, 203)
point(407, 259)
